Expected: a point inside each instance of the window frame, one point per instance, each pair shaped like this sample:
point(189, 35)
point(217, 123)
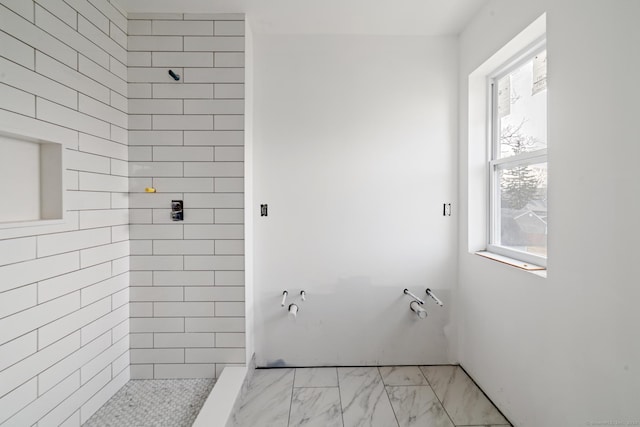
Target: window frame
point(495, 163)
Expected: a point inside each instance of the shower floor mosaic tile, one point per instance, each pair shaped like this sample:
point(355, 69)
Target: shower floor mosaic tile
point(389, 396)
point(154, 403)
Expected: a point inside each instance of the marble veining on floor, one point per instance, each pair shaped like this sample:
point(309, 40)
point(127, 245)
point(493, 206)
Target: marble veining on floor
point(154, 403)
point(388, 396)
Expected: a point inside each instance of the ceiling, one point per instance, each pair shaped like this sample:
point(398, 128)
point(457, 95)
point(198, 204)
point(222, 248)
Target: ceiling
point(376, 17)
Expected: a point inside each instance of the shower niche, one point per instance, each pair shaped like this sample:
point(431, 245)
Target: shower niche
point(31, 181)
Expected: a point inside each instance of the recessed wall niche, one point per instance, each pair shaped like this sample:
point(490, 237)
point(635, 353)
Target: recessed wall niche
point(31, 188)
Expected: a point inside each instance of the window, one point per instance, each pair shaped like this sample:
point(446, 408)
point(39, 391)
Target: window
point(518, 158)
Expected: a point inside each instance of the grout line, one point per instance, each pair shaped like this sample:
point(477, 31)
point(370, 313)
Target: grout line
point(485, 394)
point(291, 400)
point(436, 394)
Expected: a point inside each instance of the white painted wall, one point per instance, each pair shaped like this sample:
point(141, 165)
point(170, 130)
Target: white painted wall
point(562, 351)
point(354, 152)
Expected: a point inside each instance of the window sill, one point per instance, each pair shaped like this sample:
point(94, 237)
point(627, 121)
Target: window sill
point(531, 268)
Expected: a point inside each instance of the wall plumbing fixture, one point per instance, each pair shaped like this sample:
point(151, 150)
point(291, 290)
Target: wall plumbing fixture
point(174, 76)
point(303, 295)
point(284, 298)
point(418, 310)
point(293, 311)
point(418, 300)
point(435, 298)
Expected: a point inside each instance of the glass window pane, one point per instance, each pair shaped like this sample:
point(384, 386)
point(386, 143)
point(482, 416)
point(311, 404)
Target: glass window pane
point(522, 108)
point(523, 208)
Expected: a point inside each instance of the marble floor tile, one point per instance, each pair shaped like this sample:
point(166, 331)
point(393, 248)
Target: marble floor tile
point(316, 377)
point(364, 399)
point(463, 400)
point(267, 401)
point(417, 406)
point(402, 375)
point(316, 407)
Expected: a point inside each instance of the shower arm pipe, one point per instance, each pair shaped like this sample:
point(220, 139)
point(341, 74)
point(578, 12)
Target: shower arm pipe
point(408, 292)
point(303, 295)
point(284, 298)
point(435, 298)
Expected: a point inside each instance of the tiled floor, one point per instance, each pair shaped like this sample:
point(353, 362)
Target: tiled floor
point(438, 396)
point(154, 403)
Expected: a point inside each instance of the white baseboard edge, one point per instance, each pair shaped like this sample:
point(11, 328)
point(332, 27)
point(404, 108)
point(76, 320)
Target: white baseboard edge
point(218, 407)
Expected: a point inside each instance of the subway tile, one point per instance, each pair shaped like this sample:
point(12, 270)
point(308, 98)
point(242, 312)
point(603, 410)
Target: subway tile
point(229, 122)
point(67, 283)
point(121, 363)
point(15, 275)
point(214, 75)
point(229, 309)
point(139, 185)
point(207, 200)
point(119, 167)
point(102, 360)
point(140, 216)
point(214, 106)
point(119, 134)
point(175, 324)
point(183, 278)
point(229, 59)
point(183, 309)
point(139, 90)
point(185, 370)
point(18, 349)
point(18, 299)
point(118, 35)
point(139, 122)
point(214, 293)
point(32, 128)
point(152, 262)
point(120, 298)
point(229, 278)
point(31, 82)
point(141, 309)
point(183, 91)
point(142, 372)
point(120, 266)
point(141, 278)
point(229, 247)
point(102, 111)
point(155, 169)
point(213, 262)
point(103, 324)
point(192, 216)
point(54, 113)
point(220, 355)
point(17, 101)
point(70, 37)
point(103, 147)
point(21, 7)
point(154, 200)
point(102, 40)
point(169, 340)
point(155, 106)
point(229, 154)
point(174, 185)
point(214, 16)
point(182, 59)
point(36, 37)
point(17, 51)
point(153, 294)
point(163, 16)
point(213, 138)
point(91, 13)
point(17, 250)
point(139, 27)
point(138, 59)
point(101, 182)
point(149, 137)
point(232, 340)
point(20, 372)
point(183, 247)
point(184, 154)
point(214, 231)
point(141, 340)
point(157, 355)
point(71, 181)
point(118, 101)
point(52, 244)
point(119, 233)
point(99, 398)
point(229, 216)
point(214, 169)
point(212, 324)
point(103, 289)
point(102, 75)
point(151, 75)
point(229, 91)
point(78, 160)
point(57, 329)
point(114, 15)
point(118, 68)
point(140, 154)
point(175, 122)
point(229, 28)
point(173, 231)
point(51, 376)
point(182, 28)
point(154, 43)
point(17, 399)
point(213, 44)
point(103, 218)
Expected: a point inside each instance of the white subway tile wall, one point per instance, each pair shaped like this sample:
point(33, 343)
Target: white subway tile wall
point(186, 140)
point(64, 297)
